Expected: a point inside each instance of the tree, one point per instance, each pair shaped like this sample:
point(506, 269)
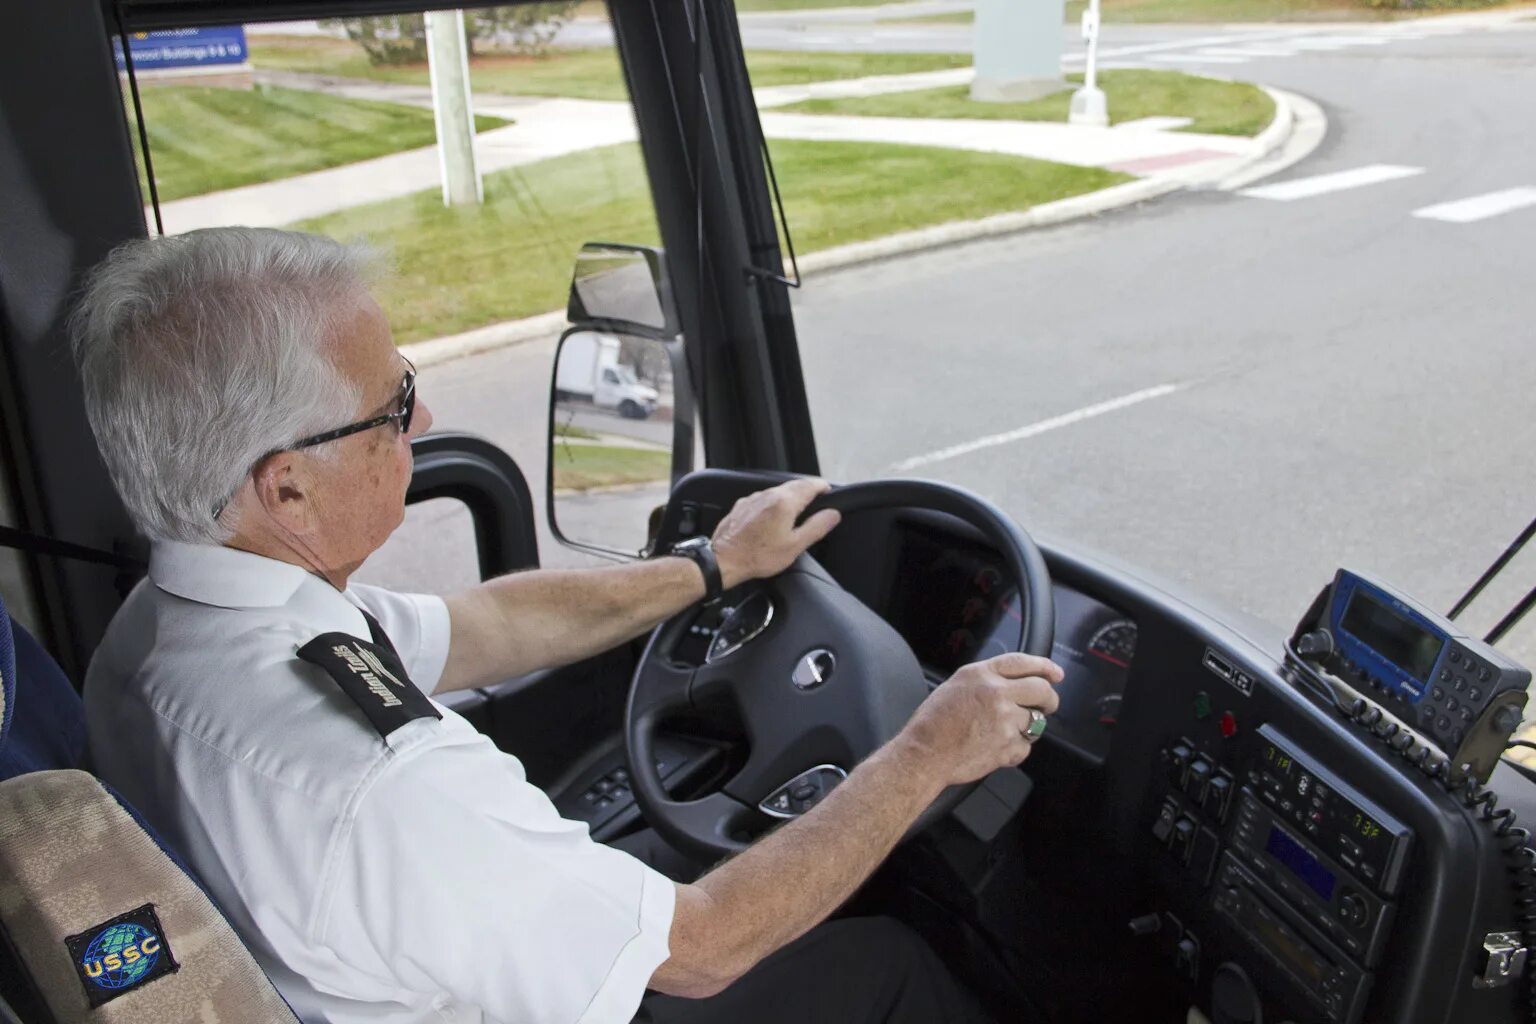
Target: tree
point(386, 38)
point(523, 29)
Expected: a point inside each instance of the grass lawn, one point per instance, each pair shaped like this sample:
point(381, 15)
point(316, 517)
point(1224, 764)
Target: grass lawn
point(585, 74)
point(206, 140)
point(466, 267)
point(1219, 108)
point(581, 467)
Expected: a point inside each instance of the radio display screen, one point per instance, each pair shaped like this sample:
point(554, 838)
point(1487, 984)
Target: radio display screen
point(1395, 637)
point(1301, 862)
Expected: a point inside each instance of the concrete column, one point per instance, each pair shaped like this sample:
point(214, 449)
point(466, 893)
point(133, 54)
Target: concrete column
point(1018, 49)
point(448, 59)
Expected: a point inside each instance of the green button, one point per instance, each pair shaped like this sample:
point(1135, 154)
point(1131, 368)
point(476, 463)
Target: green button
point(1202, 705)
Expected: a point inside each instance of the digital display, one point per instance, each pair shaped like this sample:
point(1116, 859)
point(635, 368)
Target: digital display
point(1301, 862)
point(1294, 955)
point(1392, 635)
point(953, 602)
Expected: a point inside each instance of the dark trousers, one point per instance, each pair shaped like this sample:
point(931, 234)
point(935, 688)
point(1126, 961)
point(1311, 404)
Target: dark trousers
point(862, 970)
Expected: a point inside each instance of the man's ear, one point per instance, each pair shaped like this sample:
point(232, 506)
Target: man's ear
point(285, 490)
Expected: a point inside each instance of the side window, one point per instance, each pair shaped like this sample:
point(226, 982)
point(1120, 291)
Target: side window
point(609, 377)
point(335, 127)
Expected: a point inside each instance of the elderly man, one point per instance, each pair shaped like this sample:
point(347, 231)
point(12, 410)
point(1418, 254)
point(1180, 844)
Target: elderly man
point(383, 860)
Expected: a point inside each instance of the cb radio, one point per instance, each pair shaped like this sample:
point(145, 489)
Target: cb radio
point(1363, 639)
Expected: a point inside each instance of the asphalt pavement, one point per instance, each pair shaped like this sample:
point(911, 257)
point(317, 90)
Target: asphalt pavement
point(1236, 392)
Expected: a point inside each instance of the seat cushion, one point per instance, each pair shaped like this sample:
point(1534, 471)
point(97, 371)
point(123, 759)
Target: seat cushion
point(108, 928)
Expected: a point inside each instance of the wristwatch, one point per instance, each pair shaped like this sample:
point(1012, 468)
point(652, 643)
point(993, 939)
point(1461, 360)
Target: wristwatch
point(703, 555)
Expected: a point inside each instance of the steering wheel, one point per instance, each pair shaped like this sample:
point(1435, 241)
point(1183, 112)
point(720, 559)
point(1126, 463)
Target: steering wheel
point(817, 678)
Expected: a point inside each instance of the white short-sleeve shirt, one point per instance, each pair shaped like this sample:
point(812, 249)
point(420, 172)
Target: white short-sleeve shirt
point(412, 878)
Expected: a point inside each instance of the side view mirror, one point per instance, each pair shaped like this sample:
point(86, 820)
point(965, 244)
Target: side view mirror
point(621, 421)
point(623, 289)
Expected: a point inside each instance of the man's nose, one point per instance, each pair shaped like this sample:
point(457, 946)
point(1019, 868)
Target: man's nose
point(422, 421)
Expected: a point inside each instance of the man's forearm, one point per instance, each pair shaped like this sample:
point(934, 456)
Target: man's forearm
point(788, 882)
point(531, 620)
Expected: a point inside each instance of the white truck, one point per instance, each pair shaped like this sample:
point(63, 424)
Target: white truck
point(589, 371)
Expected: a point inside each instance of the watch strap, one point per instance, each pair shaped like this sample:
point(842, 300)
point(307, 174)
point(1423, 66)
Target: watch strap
point(703, 555)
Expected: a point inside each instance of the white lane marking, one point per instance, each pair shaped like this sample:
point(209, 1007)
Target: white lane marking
point(1303, 188)
point(1249, 51)
point(1196, 58)
point(1464, 211)
point(1088, 412)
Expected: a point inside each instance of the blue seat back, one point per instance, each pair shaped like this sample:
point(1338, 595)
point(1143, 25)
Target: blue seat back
point(42, 725)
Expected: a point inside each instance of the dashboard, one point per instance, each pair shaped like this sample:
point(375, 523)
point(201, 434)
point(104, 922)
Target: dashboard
point(1202, 830)
point(952, 602)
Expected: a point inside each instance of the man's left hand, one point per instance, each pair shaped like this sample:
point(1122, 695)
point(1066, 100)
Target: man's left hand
point(759, 537)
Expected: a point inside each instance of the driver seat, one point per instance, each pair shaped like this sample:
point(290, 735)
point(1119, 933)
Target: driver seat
point(99, 920)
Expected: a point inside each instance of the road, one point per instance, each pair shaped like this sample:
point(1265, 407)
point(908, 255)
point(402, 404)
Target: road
point(1314, 380)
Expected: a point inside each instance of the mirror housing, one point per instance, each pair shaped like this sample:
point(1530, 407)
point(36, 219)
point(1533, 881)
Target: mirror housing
point(624, 290)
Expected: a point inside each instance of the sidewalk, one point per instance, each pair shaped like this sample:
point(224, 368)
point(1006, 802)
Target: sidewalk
point(545, 127)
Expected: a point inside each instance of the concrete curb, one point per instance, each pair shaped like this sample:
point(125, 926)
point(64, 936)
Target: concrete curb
point(547, 325)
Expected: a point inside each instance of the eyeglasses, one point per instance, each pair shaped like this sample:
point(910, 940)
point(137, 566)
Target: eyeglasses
point(403, 414)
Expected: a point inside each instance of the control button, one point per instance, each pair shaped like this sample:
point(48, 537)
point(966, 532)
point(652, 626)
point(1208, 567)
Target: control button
point(1178, 759)
point(803, 792)
point(1203, 860)
point(589, 797)
point(1198, 778)
point(1474, 694)
point(604, 802)
point(1162, 828)
point(1465, 714)
point(1451, 704)
point(1442, 723)
point(1286, 806)
point(1445, 675)
point(1228, 725)
point(1218, 795)
point(1182, 840)
point(1455, 655)
point(621, 776)
point(1187, 957)
point(780, 803)
point(1368, 871)
point(1353, 910)
point(1461, 684)
point(1438, 693)
point(1482, 673)
point(604, 787)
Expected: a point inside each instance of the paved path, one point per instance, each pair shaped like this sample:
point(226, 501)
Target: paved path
point(548, 127)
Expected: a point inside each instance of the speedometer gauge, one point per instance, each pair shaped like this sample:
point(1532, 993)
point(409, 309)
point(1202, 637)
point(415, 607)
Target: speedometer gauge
point(1115, 643)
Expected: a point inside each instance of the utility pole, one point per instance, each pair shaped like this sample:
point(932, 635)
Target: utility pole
point(452, 108)
point(1089, 105)
point(1018, 50)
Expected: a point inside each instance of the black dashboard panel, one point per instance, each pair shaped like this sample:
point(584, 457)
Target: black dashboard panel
point(950, 599)
point(1183, 863)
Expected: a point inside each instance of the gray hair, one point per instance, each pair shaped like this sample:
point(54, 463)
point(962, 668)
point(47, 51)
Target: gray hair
point(201, 353)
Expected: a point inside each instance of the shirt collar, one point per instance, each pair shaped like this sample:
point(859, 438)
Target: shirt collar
point(224, 577)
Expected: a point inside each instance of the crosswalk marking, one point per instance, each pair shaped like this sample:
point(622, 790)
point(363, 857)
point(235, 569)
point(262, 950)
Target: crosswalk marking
point(1464, 211)
point(1303, 188)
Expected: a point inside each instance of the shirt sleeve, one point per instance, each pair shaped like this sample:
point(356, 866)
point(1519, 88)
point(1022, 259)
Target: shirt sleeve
point(461, 879)
point(418, 626)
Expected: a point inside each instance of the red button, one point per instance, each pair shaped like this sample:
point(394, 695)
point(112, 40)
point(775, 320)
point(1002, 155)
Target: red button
point(1228, 725)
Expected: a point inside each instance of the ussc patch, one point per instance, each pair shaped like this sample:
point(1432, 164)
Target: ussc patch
point(123, 954)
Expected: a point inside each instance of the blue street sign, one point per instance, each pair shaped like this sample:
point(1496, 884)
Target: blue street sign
point(183, 48)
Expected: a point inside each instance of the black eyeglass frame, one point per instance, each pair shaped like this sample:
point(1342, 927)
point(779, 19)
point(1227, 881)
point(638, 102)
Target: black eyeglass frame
point(403, 414)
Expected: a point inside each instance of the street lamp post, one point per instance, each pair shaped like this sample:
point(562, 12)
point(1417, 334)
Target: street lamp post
point(1088, 103)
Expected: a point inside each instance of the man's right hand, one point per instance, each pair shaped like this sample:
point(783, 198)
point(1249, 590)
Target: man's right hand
point(974, 723)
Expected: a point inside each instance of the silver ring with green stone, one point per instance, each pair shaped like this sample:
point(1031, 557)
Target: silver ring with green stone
point(1036, 727)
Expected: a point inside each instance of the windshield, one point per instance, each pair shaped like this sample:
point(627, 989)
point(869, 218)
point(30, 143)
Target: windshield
point(1265, 322)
